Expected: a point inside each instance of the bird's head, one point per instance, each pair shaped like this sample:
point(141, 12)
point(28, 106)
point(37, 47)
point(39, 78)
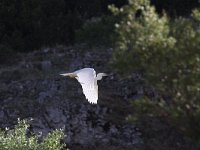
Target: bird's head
point(100, 75)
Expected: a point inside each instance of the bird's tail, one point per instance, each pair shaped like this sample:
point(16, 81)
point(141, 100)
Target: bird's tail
point(72, 75)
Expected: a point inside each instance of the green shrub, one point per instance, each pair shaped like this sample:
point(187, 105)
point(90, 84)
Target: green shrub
point(97, 31)
point(17, 139)
point(167, 53)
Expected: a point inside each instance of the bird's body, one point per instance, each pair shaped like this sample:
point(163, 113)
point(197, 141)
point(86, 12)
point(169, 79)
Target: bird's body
point(88, 80)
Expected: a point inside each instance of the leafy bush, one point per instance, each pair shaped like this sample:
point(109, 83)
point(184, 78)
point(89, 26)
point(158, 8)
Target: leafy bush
point(17, 139)
point(97, 31)
point(167, 53)
point(142, 35)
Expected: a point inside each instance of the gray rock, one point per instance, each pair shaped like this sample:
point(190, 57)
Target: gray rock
point(46, 65)
point(2, 115)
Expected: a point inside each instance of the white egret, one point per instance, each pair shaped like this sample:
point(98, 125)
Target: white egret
point(88, 80)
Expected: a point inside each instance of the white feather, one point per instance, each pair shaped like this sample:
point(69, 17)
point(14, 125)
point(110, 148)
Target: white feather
point(87, 79)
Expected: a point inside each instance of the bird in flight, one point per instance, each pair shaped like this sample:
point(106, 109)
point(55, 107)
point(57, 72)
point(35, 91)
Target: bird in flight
point(88, 79)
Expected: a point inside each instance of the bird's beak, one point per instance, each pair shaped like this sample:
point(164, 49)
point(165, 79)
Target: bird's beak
point(105, 74)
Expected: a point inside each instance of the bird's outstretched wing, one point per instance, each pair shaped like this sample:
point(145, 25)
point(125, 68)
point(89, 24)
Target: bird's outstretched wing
point(91, 92)
point(72, 75)
point(89, 85)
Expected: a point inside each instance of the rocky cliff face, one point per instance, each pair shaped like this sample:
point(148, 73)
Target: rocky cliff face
point(32, 88)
